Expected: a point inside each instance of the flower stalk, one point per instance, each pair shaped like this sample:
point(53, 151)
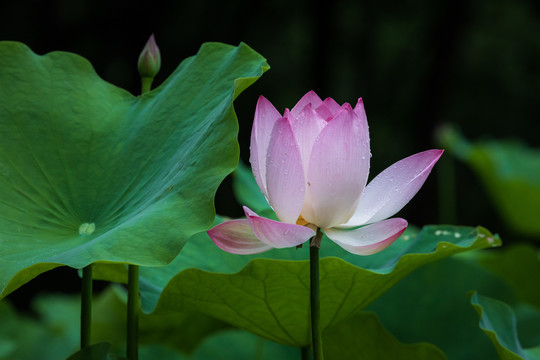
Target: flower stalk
point(86, 306)
point(315, 301)
point(148, 65)
point(133, 306)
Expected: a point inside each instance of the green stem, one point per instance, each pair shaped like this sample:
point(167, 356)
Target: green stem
point(315, 300)
point(305, 352)
point(86, 306)
point(133, 306)
point(146, 84)
point(134, 298)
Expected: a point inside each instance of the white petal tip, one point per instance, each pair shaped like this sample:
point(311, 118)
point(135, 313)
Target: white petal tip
point(369, 239)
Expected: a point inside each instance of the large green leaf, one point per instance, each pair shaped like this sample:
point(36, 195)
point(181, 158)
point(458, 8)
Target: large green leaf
point(269, 296)
point(89, 172)
point(518, 266)
point(431, 305)
point(498, 321)
point(510, 171)
point(363, 337)
point(246, 189)
point(439, 311)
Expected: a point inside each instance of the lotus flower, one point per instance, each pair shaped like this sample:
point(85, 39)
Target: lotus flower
point(312, 164)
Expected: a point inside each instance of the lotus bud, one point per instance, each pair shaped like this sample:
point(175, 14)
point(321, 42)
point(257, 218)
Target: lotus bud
point(149, 62)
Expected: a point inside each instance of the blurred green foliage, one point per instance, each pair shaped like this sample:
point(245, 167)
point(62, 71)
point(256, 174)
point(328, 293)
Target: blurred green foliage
point(510, 173)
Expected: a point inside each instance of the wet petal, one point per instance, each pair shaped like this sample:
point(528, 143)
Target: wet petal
point(369, 239)
point(309, 98)
point(266, 116)
point(360, 111)
point(237, 237)
point(332, 106)
point(306, 127)
point(337, 170)
point(277, 234)
point(393, 188)
point(284, 173)
point(324, 112)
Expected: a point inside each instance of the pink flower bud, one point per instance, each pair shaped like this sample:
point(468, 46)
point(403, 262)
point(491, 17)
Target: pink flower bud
point(150, 59)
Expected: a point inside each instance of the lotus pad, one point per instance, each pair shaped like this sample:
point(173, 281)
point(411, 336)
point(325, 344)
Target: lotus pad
point(89, 172)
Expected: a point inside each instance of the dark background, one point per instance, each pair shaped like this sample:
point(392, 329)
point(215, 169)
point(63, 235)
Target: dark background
point(417, 64)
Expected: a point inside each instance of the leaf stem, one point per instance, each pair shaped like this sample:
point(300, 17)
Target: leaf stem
point(86, 306)
point(315, 301)
point(133, 306)
point(304, 352)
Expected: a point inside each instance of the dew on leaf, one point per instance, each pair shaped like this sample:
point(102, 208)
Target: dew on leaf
point(87, 228)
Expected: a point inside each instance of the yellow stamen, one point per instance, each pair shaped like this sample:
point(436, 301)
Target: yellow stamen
point(303, 222)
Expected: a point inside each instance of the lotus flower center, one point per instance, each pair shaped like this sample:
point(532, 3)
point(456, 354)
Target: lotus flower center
point(87, 228)
point(303, 222)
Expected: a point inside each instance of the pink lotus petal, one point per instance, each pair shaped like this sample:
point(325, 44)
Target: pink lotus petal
point(309, 98)
point(361, 112)
point(284, 173)
point(277, 234)
point(306, 127)
point(237, 237)
point(324, 112)
point(266, 116)
point(338, 169)
point(369, 239)
point(393, 188)
point(331, 105)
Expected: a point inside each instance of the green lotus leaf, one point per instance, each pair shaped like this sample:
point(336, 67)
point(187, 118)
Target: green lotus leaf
point(498, 322)
point(361, 337)
point(247, 191)
point(89, 172)
point(515, 266)
point(431, 304)
point(268, 294)
point(510, 171)
point(364, 337)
